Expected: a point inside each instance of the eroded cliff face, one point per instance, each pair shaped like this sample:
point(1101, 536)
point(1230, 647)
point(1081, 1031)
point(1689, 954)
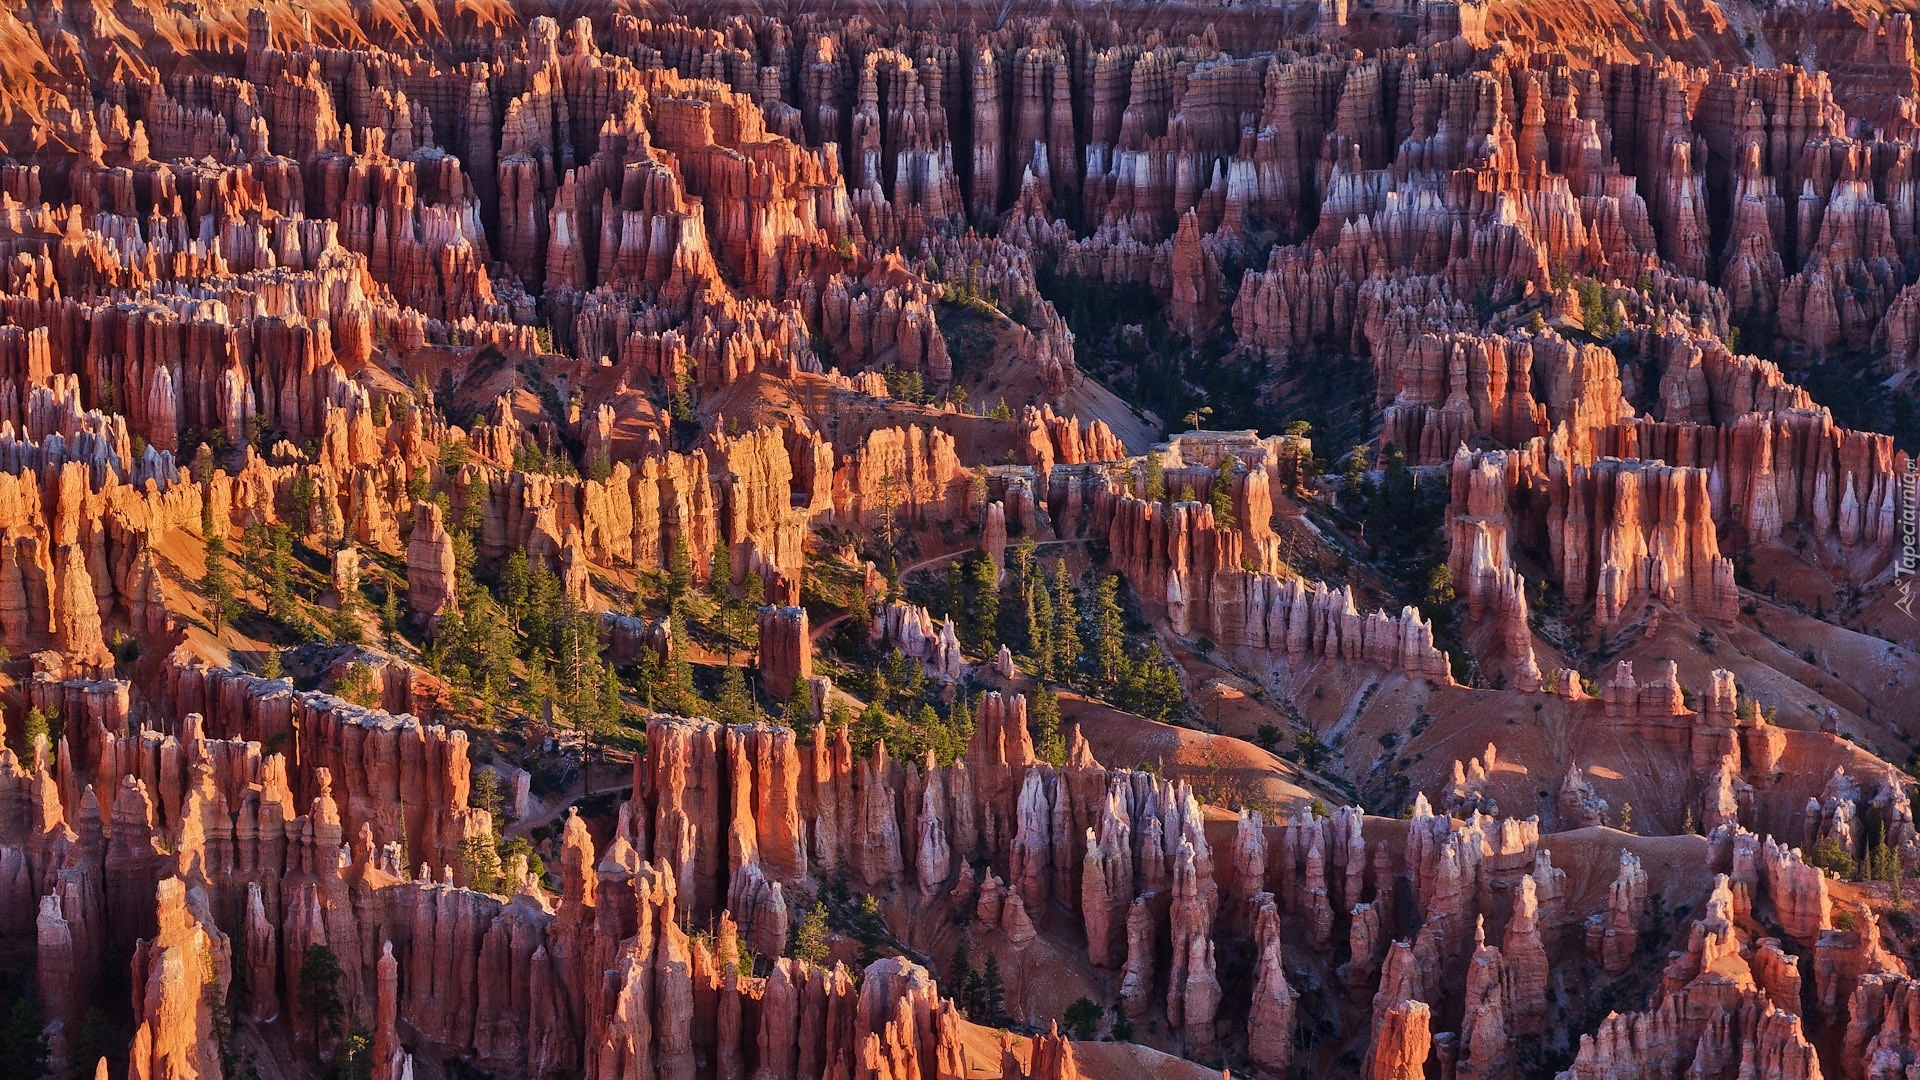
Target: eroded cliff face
point(212, 839)
point(629, 290)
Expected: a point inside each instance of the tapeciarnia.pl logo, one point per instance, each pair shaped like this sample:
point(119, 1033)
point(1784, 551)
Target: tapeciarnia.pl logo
point(1908, 563)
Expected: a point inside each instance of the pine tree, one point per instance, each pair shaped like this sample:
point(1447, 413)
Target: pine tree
point(869, 727)
point(810, 940)
point(1083, 1017)
point(679, 696)
point(959, 974)
point(577, 666)
point(36, 728)
point(753, 596)
point(516, 584)
point(474, 511)
point(1020, 564)
point(1039, 605)
point(960, 717)
point(22, 1039)
point(1043, 723)
point(1066, 625)
point(859, 613)
point(650, 675)
point(495, 654)
point(984, 589)
point(612, 708)
point(480, 862)
point(541, 611)
point(484, 793)
point(799, 708)
point(464, 560)
point(957, 592)
point(993, 992)
point(1150, 687)
point(390, 615)
point(1109, 638)
point(720, 572)
point(280, 574)
point(1221, 495)
point(1156, 483)
point(304, 496)
point(320, 988)
point(343, 623)
point(223, 603)
point(736, 702)
point(1019, 622)
point(679, 570)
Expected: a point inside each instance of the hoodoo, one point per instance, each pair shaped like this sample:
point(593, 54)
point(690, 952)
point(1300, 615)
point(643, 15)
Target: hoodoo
point(1161, 540)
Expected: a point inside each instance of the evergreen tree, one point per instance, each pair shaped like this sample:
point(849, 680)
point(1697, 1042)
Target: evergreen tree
point(1150, 687)
point(993, 992)
point(516, 584)
point(1108, 640)
point(543, 609)
point(679, 696)
point(280, 602)
point(484, 793)
point(679, 570)
point(480, 862)
point(1043, 723)
point(36, 728)
point(1019, 621)
point(649, 676)
point(320, 988)
point(810, 941)
point(1221, 495)
point(960, 718)
point(612, 708)
point(1066, 625)
point(720, 572)
point(473, 512)
point(94, 1041)
point(1356, 472)
point(873, 725)
point(22, 1040)
point(1020, 563)
point(1156, 482)
point(1039, 605)
point(222, 602)
point(496, 646)
point(799, 708)
point(464, 560)
point(390, 617)
point(343, 623)
point(538, 691)
point(736, 704)
point(959, 974)
point(356, 685)
point(984, 589)
point(354, 1055)
point(753, 596)
point(577, 669)
point(304, 496)
point(1083, 1018)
